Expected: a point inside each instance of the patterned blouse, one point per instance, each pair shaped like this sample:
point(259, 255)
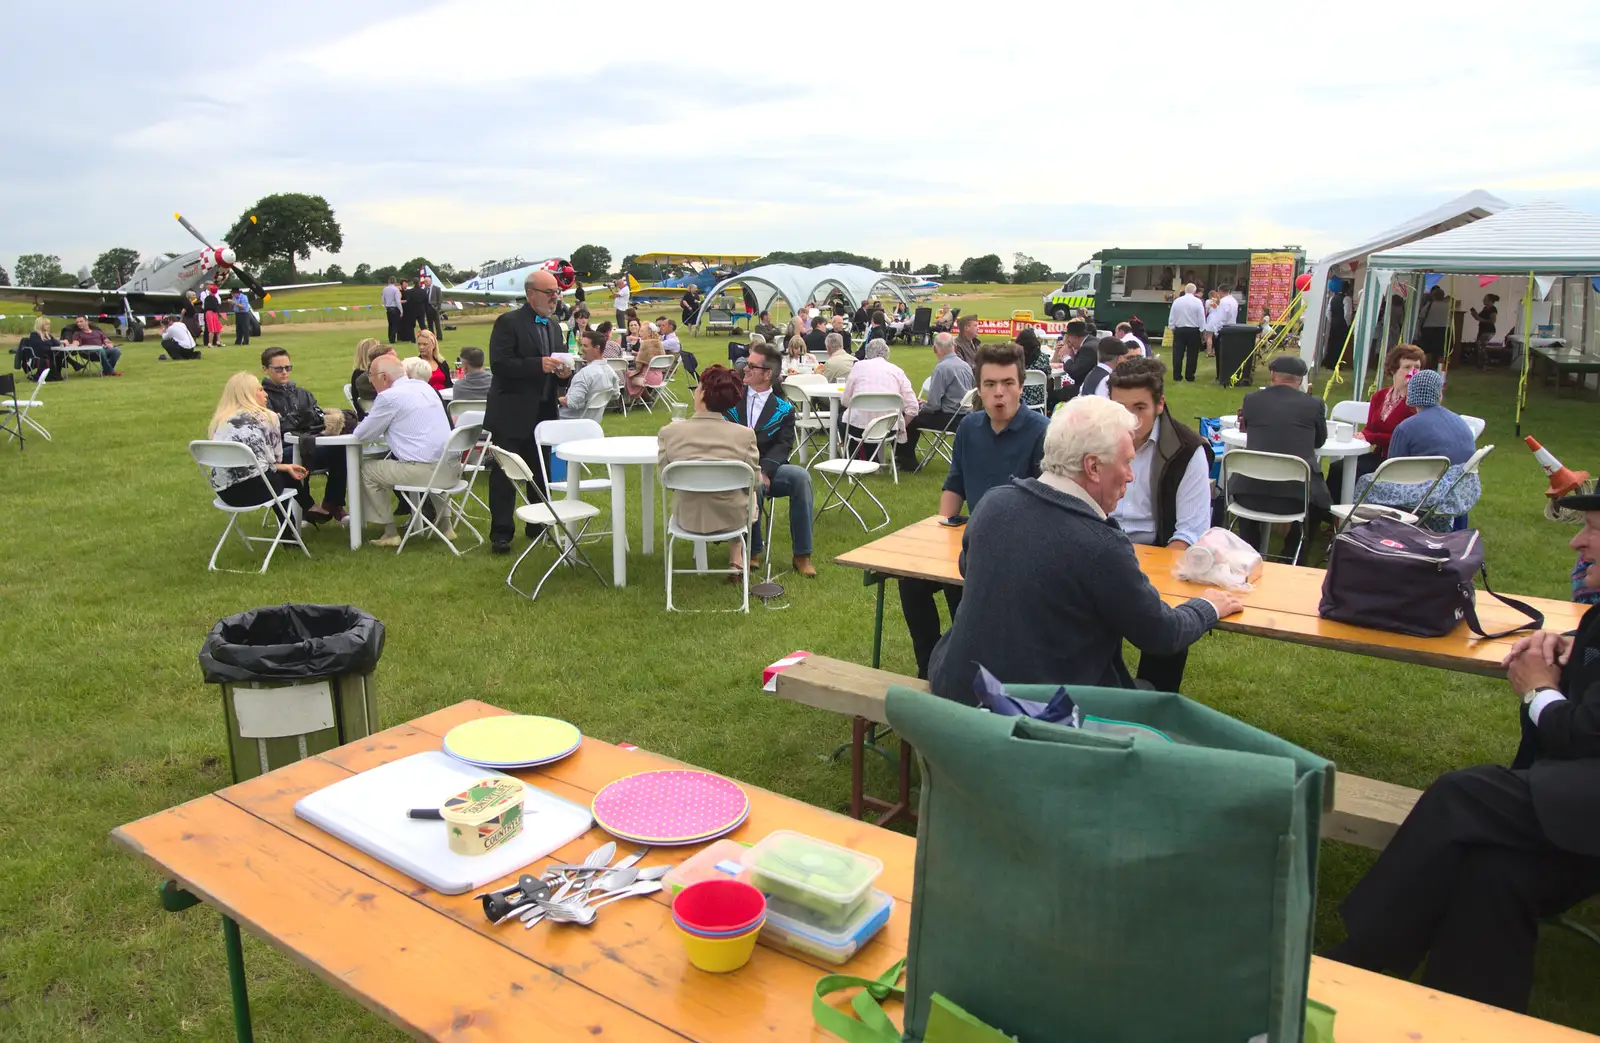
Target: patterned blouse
point(254, 431)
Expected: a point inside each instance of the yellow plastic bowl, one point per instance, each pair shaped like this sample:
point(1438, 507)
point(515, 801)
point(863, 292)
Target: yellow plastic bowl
point(720, 955)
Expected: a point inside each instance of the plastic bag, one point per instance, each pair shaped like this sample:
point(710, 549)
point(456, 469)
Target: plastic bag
point(1220, 559)
point(284, 642)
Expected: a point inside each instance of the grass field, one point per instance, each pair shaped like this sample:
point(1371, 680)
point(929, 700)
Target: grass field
point(106, 599)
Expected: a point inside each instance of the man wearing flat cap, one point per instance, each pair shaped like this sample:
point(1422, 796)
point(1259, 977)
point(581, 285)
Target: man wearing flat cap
point(1281, 418)
point(1488, 852)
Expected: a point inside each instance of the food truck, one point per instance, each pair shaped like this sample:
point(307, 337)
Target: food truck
point(1117, 285)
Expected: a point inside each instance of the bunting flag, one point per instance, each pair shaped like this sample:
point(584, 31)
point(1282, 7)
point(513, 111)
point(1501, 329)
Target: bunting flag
point(1545, 282)
point(1484, 280)
point(1431, 280)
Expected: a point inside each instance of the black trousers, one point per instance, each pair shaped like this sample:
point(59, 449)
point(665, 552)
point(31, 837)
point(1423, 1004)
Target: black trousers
point(408, 325)
point(329, 458)
point(922, 615)
point(395, 318)
point(249, 492)
point(1464, 883)
point(175, 351)
point(503, 494)
point(1164, 672)
point(430, 319)
point(1186, 345)
point(241, 327)
point(925, 420)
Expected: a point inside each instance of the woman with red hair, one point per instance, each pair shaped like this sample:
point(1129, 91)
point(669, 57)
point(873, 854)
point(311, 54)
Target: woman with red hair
point(707, 435)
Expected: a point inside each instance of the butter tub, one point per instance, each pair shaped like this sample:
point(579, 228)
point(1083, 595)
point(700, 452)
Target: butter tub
point(484, 815)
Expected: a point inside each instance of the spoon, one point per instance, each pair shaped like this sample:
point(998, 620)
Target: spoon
point(622, 874)
point(646, 878)
point(586, 914)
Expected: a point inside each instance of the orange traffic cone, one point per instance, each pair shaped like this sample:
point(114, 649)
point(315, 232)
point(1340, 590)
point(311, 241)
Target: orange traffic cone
point(1562, 481)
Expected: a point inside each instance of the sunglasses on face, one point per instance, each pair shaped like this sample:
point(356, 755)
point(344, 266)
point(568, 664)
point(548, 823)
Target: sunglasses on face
point(281, 369)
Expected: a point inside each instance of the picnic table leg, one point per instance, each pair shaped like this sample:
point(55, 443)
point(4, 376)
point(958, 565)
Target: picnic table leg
point(833, 428)
point(242, 1029)
point(877, 625)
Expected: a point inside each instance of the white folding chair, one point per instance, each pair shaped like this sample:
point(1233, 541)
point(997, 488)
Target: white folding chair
point(943, 440)
point(1402, 470)
point(1475, 424)
point(23, 406)
point(1470, 467)
point(458, 408)
point(349, 396)
point(668, 365)
point(811, 424)
point(1268, 467)
point(552, 433)
point(452, 496)
point(846, 471)
point(598, 403)
point(210, 454)
point(11, 410)
point(549, 515)
point(620, 368)
point(1350, 412)
point(476, 461)
point(708, 476)
point(1033, 378)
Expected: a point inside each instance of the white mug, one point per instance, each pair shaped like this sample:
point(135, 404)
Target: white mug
point(1343, 432)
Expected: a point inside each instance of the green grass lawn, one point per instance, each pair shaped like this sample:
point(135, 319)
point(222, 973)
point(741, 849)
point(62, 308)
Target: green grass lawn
point(106, 599)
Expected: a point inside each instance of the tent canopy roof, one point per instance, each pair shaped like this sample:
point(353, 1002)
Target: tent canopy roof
point(798, 285)
point(1534, 237)
point(1471, 207)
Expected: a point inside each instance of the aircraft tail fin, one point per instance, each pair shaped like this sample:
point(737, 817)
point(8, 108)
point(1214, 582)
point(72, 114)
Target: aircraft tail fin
point(429, 272)
point(633, 284)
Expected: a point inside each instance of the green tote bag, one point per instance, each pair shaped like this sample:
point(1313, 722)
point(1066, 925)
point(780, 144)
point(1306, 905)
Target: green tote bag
point(1080, 887)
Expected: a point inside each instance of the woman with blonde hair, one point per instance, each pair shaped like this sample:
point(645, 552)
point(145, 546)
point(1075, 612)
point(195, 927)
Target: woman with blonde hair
point(796, 359)
point(41, 350)
point(361, 388)
point(438, 376)
point(242, 416)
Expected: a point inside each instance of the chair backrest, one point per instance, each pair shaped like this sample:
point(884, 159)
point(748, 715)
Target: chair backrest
point(664, 362)
point(619, 365)
point(218, 453)
point(1268, 467)
point(555, 432)
point(1411, 470)
point(1473, 461)
point(878, 401)
point(1475, 424)
point(708, 476)
point(1434, 503)
point(461, 442)
point(969, 401)
point(598, 403)
point(1034, 378)
point(921, 319)
point(8, 385)
point(797, 395)
point(1350, 412)
point(38, 385)
point(458, 408)
point(349, 396)
point(513, 466)
point(880, 429)
point(469, 416)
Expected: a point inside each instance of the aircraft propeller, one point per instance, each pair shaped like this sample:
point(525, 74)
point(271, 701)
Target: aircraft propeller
point(227, 257)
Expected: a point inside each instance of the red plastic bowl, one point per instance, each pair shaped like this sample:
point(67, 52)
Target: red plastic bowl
point(719, 905)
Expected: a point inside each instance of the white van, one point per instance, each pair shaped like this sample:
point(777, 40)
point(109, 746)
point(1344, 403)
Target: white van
point(1076, 293)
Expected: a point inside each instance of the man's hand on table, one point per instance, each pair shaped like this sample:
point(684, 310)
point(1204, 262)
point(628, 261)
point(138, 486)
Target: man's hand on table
point(1546, 646)
point(1226, 602)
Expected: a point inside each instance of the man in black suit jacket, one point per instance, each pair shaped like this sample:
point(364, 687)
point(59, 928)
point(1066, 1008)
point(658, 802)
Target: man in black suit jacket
point(433, 300)
point(1488, 852)
point(415, 303)
point(523, 387)
point(1280, 418)
point(773, 424)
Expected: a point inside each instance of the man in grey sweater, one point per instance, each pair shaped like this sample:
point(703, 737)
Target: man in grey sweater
point(1060, 615)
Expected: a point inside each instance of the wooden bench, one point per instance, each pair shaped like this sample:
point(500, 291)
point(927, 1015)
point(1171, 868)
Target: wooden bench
point(1365, 811)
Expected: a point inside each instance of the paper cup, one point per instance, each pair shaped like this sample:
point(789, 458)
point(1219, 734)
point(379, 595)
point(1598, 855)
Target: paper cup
point(719, 907)
point(1343, 432)
point(720, 955)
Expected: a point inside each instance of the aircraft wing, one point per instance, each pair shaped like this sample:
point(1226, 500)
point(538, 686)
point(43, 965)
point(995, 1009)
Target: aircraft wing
point(300, 286)
point(70, 299)
point(458, 296)
point(706, 259)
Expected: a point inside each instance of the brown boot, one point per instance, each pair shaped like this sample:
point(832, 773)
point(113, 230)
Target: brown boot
point(803, 566)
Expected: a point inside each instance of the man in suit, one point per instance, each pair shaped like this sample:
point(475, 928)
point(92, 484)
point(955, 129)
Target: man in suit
point(416, 309)
point(766, 411)
point(523, 390)
point(408, 315)
point(1281, 418)
point(1487, 852)
point(1109, 351)
point(431, 305)
point(1078, 355)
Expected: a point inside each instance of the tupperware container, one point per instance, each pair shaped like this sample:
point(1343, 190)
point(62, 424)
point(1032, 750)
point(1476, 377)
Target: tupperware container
point(831, 946)
point(716, 861)
point(823, 883)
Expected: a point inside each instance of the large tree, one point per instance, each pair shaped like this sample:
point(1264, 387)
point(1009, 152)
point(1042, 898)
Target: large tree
point(38, 270)
point(287, 226)
point(363, 273)
point(987, 268)
point(114, 267)
point(817, 258)
point(1026, 269)
point(591, 262)
point(5, 277)
point(333, 271)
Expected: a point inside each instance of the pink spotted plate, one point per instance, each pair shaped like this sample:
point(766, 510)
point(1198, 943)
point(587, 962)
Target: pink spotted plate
point(673, 806)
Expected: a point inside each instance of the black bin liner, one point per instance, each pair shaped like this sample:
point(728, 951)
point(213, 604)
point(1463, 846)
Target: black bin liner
point(288, 642)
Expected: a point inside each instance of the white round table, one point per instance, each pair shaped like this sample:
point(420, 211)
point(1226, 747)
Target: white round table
point(616, 454)
point(353, 454)
point(1233, 438)
point(833, 393)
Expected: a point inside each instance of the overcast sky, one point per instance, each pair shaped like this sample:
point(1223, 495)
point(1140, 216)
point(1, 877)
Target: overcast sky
point(474, 130)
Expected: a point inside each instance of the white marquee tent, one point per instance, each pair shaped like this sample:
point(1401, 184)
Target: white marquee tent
point(1347, 262)
point(798, 286)
point(1547, 243)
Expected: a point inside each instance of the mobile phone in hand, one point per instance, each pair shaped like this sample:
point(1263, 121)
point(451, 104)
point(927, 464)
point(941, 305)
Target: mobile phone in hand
point(955, 521)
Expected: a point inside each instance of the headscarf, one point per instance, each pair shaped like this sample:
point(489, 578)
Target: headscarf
point(1424, 388)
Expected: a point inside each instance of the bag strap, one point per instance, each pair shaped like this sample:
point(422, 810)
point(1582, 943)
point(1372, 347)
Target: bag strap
point(874, 1026)
point(1535, 617)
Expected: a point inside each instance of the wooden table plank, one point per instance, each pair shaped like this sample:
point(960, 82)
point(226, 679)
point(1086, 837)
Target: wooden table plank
point(424, 974)
point(1283, 605)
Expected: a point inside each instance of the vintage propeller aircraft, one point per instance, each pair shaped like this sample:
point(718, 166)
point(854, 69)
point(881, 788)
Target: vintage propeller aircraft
point(501, 281)
point(702, 271)
point(157, 287)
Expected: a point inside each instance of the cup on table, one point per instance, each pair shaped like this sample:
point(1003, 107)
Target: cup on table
point(1343, 432)
point(719, 921)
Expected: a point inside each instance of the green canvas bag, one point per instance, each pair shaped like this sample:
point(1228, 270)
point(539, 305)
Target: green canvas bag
point(1076, 886)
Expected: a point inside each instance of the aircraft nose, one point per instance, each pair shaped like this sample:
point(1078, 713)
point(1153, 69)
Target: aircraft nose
point(226, 255)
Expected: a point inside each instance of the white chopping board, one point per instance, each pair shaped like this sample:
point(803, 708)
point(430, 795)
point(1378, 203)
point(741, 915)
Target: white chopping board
point(368, 811)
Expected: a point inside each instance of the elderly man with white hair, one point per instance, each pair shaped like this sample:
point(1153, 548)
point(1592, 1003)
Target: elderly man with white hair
point(836, 368)
point(1058, 614)
point(876, 373)
point(947, 388)
point(408, 415)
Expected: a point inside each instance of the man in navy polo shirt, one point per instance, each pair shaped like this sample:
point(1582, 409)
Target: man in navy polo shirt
point(1002, 442)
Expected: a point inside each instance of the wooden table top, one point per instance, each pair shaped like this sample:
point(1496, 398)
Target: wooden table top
point(1283, 604)
point(432, 964)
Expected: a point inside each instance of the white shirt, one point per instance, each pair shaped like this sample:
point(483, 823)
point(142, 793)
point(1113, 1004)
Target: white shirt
point(754, 401)
point(671, 344)
point(1104, 390)
point(410, 414)
point(179, 334)
point(1139, 347)
point(1136, 512)
point(620, 300)
point(1188, 312)
point(1227, 311)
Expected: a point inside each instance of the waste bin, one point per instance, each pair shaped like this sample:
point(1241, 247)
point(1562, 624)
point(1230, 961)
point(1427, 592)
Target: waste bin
point(296, 680)
point(1235, 342)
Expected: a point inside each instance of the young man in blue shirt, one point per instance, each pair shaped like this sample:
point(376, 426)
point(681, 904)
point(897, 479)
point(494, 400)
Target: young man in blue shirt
point(992, 446)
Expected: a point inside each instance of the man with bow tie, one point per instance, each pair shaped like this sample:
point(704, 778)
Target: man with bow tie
point(523, 389)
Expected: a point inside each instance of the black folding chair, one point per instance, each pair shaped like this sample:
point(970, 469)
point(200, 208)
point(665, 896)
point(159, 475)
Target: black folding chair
point(11, 412)
point(921, 327)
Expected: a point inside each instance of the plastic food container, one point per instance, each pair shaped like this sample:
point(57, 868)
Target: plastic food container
point(823, 883)
point(484, 815)
point(832, 946)
point(721, 860)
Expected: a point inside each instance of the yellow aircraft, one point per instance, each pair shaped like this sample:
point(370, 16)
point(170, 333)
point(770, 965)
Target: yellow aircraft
point(704, 272)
